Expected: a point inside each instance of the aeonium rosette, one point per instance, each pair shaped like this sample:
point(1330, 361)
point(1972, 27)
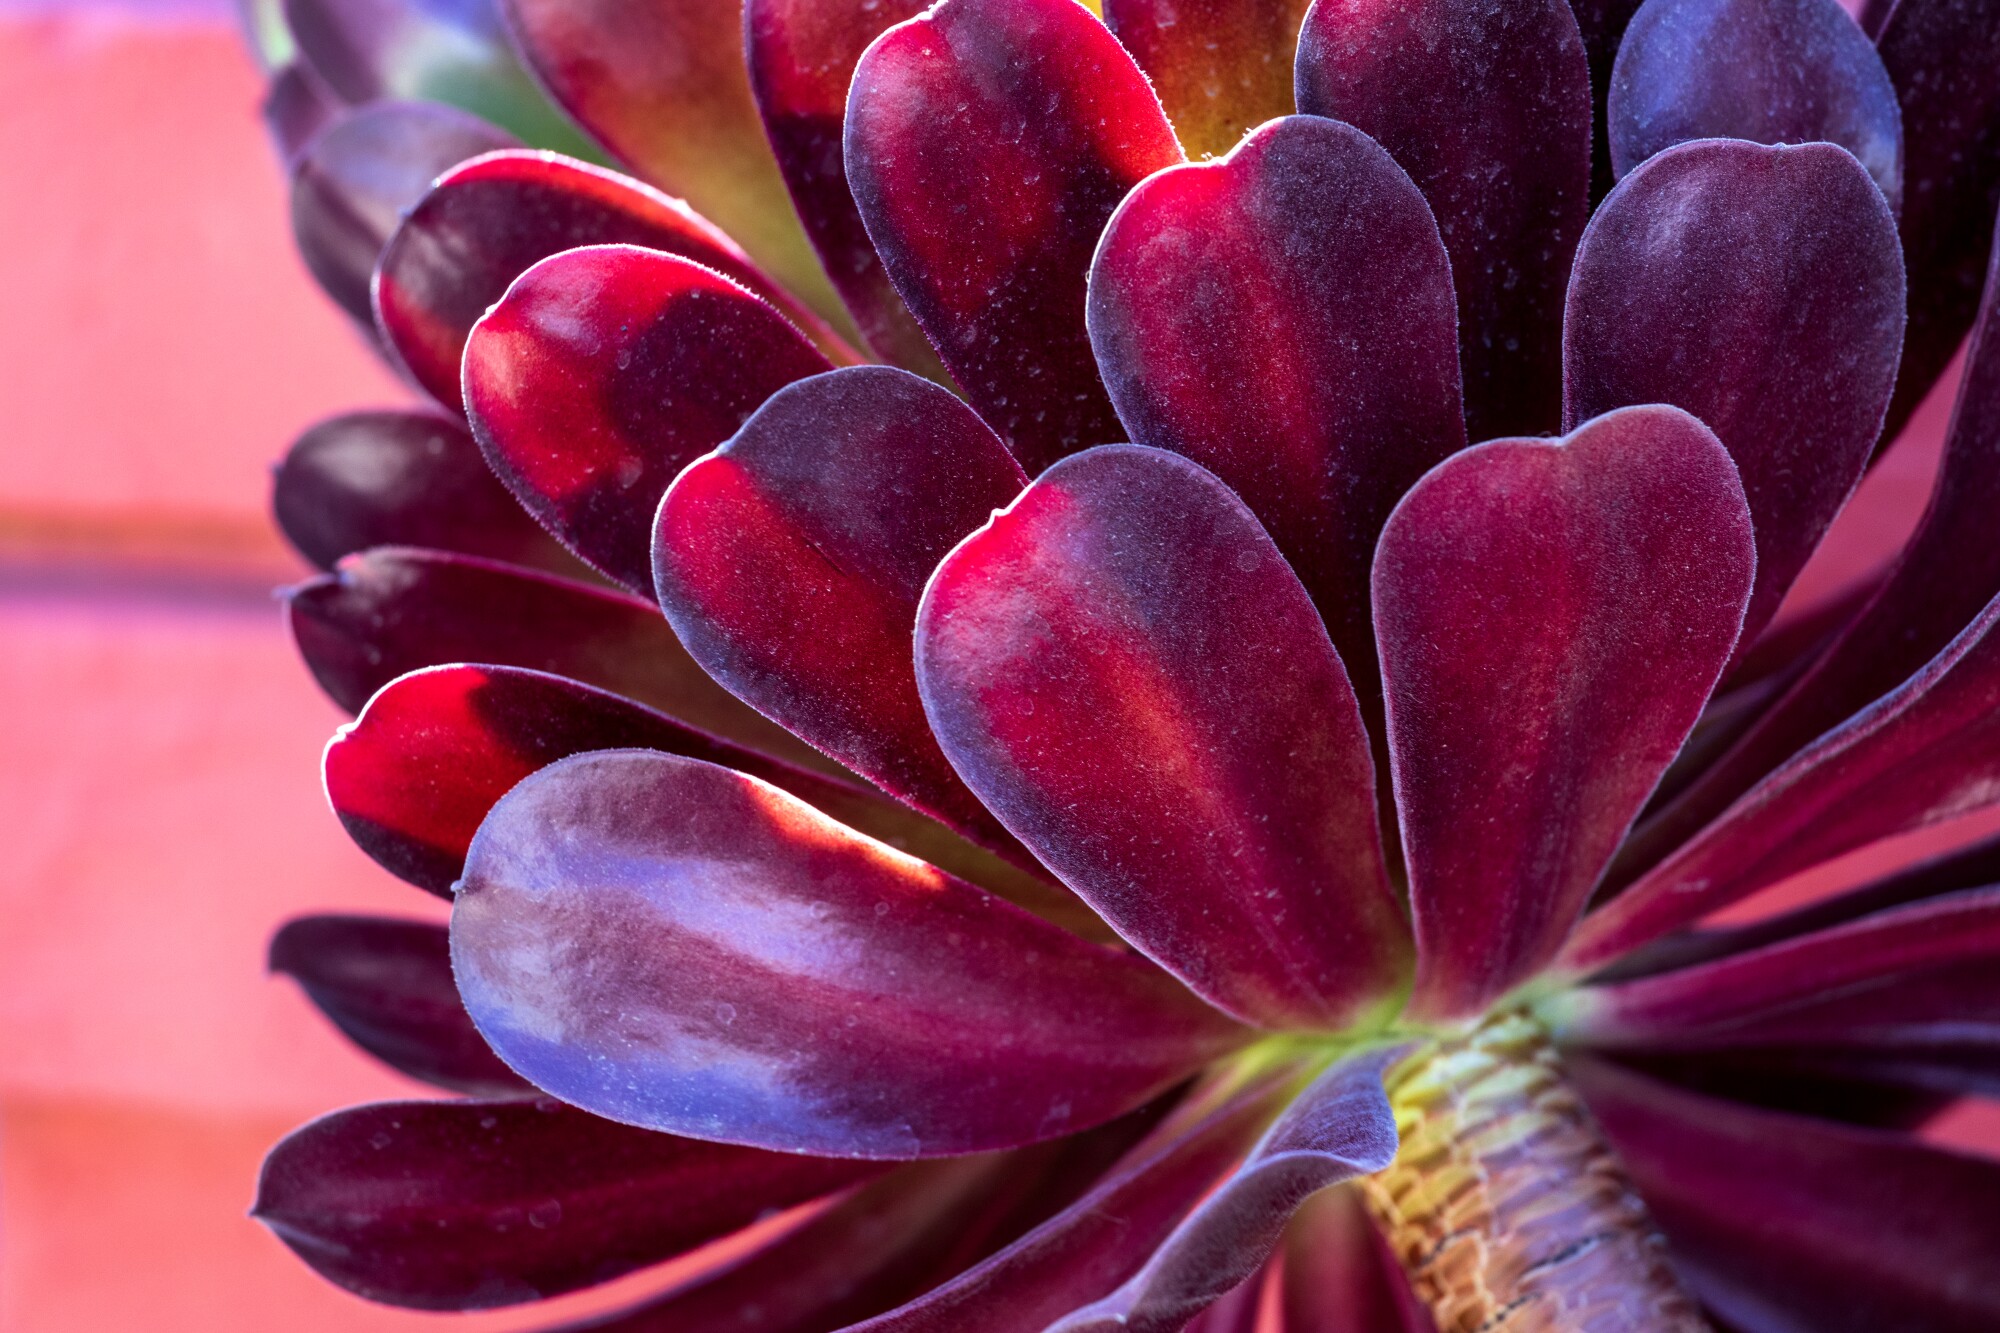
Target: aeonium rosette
point(1217, 819)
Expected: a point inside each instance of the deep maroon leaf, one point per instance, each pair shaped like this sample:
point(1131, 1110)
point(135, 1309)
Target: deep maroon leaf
point(1339, 1275)
point(1220, 67)
point(1943, 579)
point(489, 221)
point(1551, 617)
point(394, 610)
point(469, 1205)
point(1338, 1128)
point(1761, 289)
point(1843, 1085)
point(672, 944)
point(605, 371)
point(1125, 670)
point(296, 107)
point(1499, 141)
point(1926, 752)
point(801, 56)
point(387, 985)
point(451, 51)
point(1785, 1224)
point(987, 143)
point(1240, 1310)
point(400, 478)
point(1770, 71)
point(1944, 58)
point(1306, 264)
point(663, 86)
point(791, 559)
point(353, 183)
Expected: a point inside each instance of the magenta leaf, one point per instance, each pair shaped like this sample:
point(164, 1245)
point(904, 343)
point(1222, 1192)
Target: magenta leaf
point(390, 611)
point(1770, 71)
point(1499, 142)
point(1304, 263)
point(1928, 751)
point(1761, 289)
point(487, 222)
point(1125, 670)
point(801, 56)
point(790, 562)
point(603, 372)
point(1340, 1276)
point(1338, 1128)
point(1944, 58)
point(1220, 67)
point(1551, 617)
point(1786, 1224)
point(353, 182)
point(386, 984)
point(403, 478)
point(470, 1205)
point(987, 143)
point(671, 944)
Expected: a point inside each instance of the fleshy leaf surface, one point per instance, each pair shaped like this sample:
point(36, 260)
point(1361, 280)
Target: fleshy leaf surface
point(987, 143)
point(1761, 289)
point(1770, 71)
point(386, 984)
point(1551, 616)
point(603, 372)
point(671, 944)
point(1499, 142)
point(296, 106)
point(1339, 1275)
point(1307, 264)
point(1788, 1224)
point(1125, 670)
point(473, 1204)
point(1220, 67)
point(790, 562)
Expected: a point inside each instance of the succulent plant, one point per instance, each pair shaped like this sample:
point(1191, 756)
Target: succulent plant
point(1192, 783)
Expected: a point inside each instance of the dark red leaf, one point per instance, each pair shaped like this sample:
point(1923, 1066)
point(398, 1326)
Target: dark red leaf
point(1499, 142)
point(1306, 264)
point(1551, 616)
point(987, 143)
point(1339, 1275)
point(672, 944)
point(1125, 670)
point(470, 1205)
point(1759, 288)
point(387, 985)
point(1221, 67)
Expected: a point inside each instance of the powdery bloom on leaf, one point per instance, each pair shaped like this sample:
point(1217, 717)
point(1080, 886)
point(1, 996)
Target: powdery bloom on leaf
point(1191, 793)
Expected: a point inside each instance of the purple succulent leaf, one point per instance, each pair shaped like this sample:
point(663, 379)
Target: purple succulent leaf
point(1340, 1276)
point(1306, 264)
point(1499, 143)
point(404, 478)
point(1926, 752)
point(416, 773)
point(603, 372)
point(467, 1205)
point(1786, 1224)
point(1125, 670)
point(1941, 581)
point(394, 610)
point(488, 221)
point(1338, 1128)
point(843, 492)
point(987, 143)
point(1221, 67)
point(1944, 58)
point(801, 56)
point(1761, 289)
point(663, 85)
point(1238, 1310)
point(1770, 71)
point(671, 944)
point(297, 106)
point(1845, 1086)
point(386, 984)
point(354, 181)
point(1551, 616)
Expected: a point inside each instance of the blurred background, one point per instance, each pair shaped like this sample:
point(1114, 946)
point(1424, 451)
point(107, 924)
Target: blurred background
point(160, 345)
